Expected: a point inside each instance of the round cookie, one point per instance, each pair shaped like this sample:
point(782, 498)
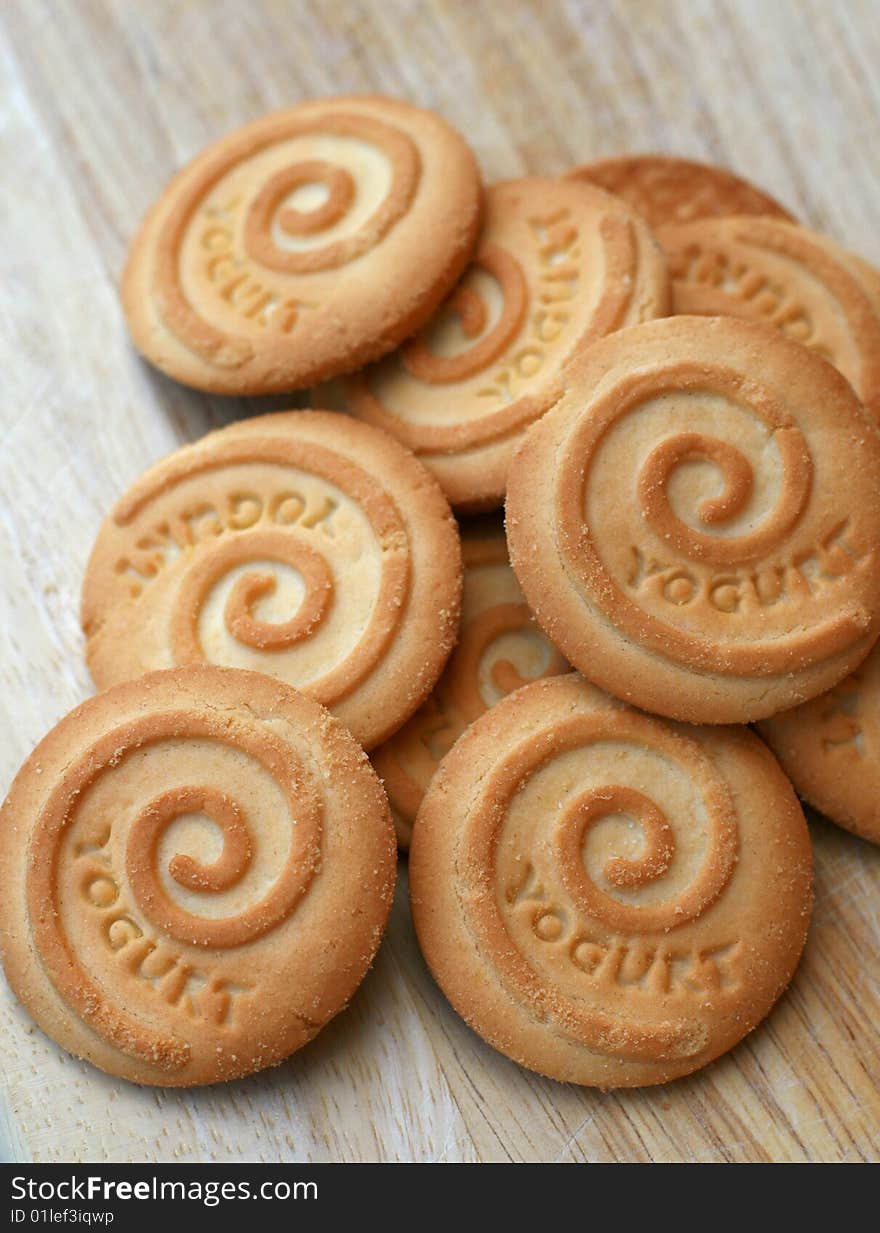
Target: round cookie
point(499, 649)
point(197, 870)
point(300, 544)
point(558, 265)
point(605, 897)
point(666, 189)
point(829, 749)
point(696, 523)
point(795, 280)
point(302, 245)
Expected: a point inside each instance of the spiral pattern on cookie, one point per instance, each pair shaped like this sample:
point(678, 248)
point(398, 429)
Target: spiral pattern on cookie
point(140, 893)
point(561, 862)
point(520, 308)
point(496, 652)
point(239, 615)
point(260, 226)
point(471, 308)
point(724, 552)
point(266, 577)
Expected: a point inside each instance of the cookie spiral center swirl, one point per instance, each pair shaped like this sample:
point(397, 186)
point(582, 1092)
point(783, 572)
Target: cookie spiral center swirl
point(152, 822)
point(404, 163)
point(337, 181)
point(248, 588)
point(738, 480)
point(600, 803)
point(630, 874)
point(428, 365)
point(142, 865)
point(462, 682)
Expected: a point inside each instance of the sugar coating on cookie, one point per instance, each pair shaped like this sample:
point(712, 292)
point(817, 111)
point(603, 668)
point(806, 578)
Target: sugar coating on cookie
point(558, 264)
point(300, 544)
point(830, 746)
point(302, 245)
point(608, 898)
point(798, 282)
point(696, 523)
point(177, 856)
point(666, 189)
point(499, 649)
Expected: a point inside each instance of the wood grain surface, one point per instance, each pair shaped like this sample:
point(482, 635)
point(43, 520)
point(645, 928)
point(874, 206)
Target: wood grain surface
point(101, 102)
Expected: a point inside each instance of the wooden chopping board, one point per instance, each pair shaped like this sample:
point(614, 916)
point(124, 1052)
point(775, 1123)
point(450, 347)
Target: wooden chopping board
point(101, 102)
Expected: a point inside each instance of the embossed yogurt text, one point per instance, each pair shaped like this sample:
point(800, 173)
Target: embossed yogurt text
point(152, 963)
point(556, 241)
point(734, 277)
point(203, 521)
point(624, 963)
point(233, 277)
point(740, 590)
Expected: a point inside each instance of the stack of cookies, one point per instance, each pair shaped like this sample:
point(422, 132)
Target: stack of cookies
point(672, 388)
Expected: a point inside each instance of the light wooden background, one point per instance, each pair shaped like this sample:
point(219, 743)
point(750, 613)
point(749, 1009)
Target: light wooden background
point(101, 101)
